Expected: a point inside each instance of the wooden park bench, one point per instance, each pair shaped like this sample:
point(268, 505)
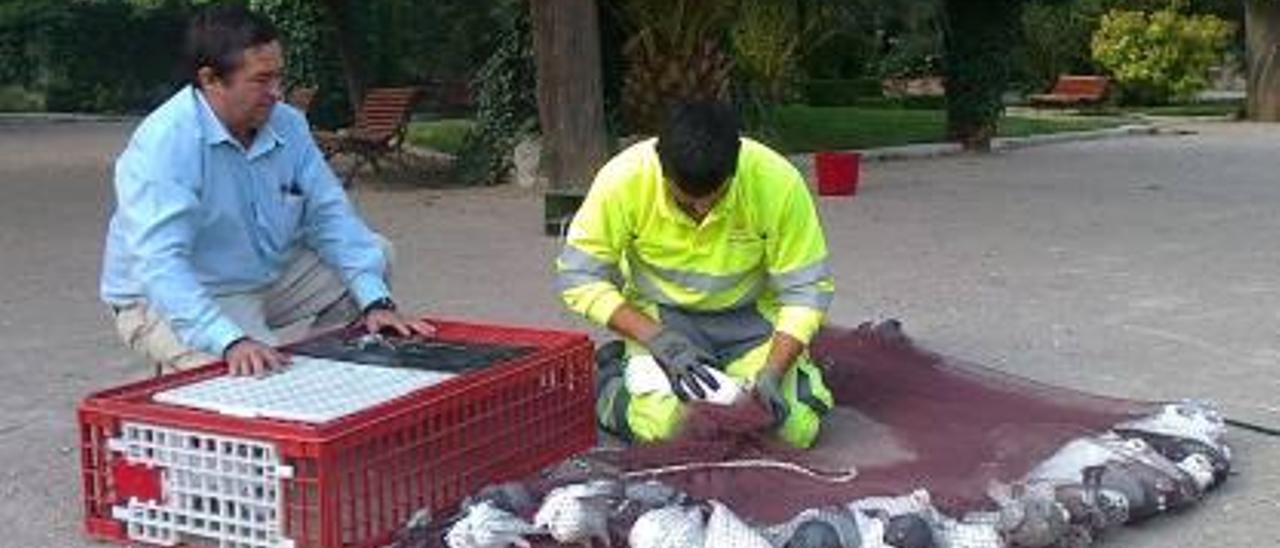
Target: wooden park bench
point(1070, 91)
point(379, 129)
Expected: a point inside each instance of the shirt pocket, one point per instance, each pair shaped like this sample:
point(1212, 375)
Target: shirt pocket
point(280, 216)
point(743, 251)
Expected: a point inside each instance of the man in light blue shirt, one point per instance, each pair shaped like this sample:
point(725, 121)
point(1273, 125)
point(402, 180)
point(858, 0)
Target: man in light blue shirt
point(229, 223)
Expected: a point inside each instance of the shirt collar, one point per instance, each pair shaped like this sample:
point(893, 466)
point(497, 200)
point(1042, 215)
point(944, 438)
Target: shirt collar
point(215, 132)
point(667, 204)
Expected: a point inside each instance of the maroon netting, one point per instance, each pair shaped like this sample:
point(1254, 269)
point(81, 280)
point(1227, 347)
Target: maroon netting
point(905, 419)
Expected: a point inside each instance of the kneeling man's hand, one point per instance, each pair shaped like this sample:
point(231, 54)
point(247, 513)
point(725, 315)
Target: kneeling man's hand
point(768, 390)
point(249, 357)
point(391, 322)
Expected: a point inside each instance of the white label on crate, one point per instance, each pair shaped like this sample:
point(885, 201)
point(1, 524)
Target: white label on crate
point(312, 390)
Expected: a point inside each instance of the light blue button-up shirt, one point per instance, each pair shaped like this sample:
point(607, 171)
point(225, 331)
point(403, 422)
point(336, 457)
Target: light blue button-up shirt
point(198, 216)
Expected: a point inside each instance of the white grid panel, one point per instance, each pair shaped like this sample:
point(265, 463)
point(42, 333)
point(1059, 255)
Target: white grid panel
point(312, 390)
point(214, 489)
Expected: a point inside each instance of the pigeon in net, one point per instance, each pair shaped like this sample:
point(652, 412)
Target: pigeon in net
point(669, 527)
point(579, 513)
point(487, 526)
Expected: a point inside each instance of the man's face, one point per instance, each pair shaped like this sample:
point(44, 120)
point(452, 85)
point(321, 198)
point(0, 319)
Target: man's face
point(246, 96)
point(696, 207)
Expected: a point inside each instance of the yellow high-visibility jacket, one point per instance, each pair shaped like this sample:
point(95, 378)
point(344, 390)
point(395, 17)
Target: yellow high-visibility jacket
point(762, 246)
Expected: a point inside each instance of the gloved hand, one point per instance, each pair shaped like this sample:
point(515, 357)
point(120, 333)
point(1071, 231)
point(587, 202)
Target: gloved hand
point(684, 363)
point(768, 389)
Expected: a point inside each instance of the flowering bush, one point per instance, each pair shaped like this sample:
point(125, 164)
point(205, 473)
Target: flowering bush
point(1161, 55)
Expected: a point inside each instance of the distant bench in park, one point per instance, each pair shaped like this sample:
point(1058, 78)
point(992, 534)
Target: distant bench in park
point(1071, 91)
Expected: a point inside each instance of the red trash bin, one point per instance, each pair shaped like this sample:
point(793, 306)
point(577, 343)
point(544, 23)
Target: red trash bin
point(837, 173)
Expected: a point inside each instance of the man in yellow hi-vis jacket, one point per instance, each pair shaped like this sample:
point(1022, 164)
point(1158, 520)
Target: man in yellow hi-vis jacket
point(704, 250)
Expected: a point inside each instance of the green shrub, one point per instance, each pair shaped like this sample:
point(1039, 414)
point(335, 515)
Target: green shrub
point(1055, 41)
point(311, 58)
point(20, 99)
point(914, 55)
point(1159, 56)
point(111, 56)
point(506, 103)
point(841, 92)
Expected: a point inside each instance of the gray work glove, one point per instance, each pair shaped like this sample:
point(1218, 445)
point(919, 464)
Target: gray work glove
point(685, 364)
point(768, 390)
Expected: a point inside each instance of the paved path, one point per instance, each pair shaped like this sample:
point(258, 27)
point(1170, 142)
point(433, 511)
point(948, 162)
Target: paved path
point(1141, 267)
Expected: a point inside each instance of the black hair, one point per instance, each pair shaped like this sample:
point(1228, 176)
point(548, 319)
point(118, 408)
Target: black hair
point(699, 145)
point(219, 34)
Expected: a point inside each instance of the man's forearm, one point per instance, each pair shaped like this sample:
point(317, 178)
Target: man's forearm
point(633, 324)
point(783, 351)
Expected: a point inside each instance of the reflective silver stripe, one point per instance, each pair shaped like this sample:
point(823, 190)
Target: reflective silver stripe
point(572, 280)
point(693, 281)
point(650, 290)
point(752, 295)
point(808, 275)
point(578, 268)
point(800, 287)
point(807, 296)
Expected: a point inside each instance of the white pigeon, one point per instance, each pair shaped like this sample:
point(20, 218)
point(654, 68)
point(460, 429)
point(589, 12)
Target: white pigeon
point(949, 533)
point(918, 502)
point(669, 527)
point(1200, 468)
point(578, 513)
point(871, 530)
point(1067, 464)
point(487, 526)
point(1196, 420)
point(727, 530)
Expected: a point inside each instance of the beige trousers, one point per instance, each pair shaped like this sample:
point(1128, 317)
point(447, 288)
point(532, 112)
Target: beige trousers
point(307, 291)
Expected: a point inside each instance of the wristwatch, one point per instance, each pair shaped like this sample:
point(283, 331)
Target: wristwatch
point(384, 303)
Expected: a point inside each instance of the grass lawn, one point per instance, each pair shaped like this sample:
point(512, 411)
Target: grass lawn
point(801, 128)
point(440, 135)
point(806, 129)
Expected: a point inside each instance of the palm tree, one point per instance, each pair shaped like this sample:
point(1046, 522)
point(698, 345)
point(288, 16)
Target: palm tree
point(675, 53)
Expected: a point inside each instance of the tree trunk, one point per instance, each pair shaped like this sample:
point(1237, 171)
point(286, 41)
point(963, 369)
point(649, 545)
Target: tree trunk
point(350, 53)
point(1262, 44)
point(566, 44)
point(979, 36)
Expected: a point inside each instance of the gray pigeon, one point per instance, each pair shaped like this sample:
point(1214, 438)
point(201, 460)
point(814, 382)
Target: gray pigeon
point(512, 497)
point(1178, 449)
point(817, 524)
point(1030, 515)
point(909, 531)
point(814, 533)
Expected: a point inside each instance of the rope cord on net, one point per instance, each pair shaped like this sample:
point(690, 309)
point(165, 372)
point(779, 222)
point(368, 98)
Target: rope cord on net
point(771, 464)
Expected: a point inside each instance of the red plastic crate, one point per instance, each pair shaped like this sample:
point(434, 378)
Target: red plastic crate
point(352, 481)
